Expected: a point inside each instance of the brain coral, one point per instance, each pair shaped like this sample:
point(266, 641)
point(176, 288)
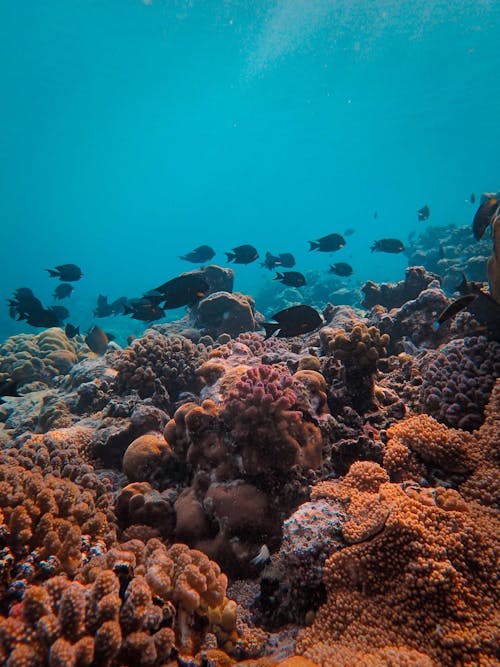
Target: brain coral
point(155, 359)
point(419, 577)
point(457, 381)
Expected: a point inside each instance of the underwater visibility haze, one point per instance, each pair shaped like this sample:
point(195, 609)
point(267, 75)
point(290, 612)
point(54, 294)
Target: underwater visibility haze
point(249, 333)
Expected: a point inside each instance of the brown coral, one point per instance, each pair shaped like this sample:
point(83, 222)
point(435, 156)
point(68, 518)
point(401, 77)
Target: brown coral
point(425, 584)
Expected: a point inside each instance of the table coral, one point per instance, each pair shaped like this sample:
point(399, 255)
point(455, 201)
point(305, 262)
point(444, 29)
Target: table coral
point(425, 582)
point(457, 381)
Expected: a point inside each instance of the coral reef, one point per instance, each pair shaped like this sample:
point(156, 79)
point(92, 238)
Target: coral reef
point(416, 576)
point(223, 312)
point(394, 295)
point(457, 381)
point(493, 265)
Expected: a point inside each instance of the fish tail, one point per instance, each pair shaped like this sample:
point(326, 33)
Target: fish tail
point(279, 276)
point(230, 256)
point(314, 245)
point(52, 273)
point(270, 328)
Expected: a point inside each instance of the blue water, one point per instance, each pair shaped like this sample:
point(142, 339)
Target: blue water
point(130, 132)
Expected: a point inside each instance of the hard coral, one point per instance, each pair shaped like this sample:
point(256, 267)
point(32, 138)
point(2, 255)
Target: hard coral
point(222, 312)
point(269, 431)
point(457, 381)
point(155, 359)
point(421, 581)
point(144, 456)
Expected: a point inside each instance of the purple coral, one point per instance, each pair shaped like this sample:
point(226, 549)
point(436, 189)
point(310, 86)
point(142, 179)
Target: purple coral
point(458, 379)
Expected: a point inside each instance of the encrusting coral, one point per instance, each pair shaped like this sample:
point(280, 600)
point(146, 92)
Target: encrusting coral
point(419, 575)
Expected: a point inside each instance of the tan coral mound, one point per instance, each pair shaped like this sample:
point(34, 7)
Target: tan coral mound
point(420, 443)
point(422, 586)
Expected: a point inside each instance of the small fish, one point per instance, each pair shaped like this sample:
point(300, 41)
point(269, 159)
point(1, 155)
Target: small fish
point(453, 308)
point(388, 245)
point(341, 269)
point(60, 312)
point(271, 261)
point(263, 557)
point(184, 290)
point(242, 254)
point(293, 321)
point(103, 308)
point(423, 213)
point(144, 310)
point(329, 243)
point(71, 331)
point(468, 286)
point(472, 198)
point(202, 253)
point(484, 215)
point(97, 340)
point(66, 272)
point(287, 260)
point(8, 388)
point(23, 303)
point(349, 231)
point(291, 278)
point(63, 290)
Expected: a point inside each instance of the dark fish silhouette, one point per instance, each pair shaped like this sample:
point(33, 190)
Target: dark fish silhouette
point(291, 278)
point(144, 310)
point(71, 331)
point(453, 308)
point(423, 213)
point(284, 259)
point(184, 290)
point(202, 253)
point(97, 340)
point(293, 321)
point(242, 254)
point(66, 272)
point(329, 243)
point(63, 291)
point(472, 198)
point(349, 231)
point(8, 388)
point(468, 286)
point(341, 269)
point(271, 261)
point(24, 305)
point(484, 215)
point(388, 245)
point(105, 309)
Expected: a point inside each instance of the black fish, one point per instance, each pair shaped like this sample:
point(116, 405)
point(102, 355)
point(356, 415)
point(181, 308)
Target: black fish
point(341, 269)
point(66, 272)
point(23, 303)
point(484, 215)
point(287, 260)
point(62, 291)
point(349, 231)
point(184, 290)
point(43, 318)
point(453, 308)
point(388, 245)
point(8, 388)
point(144, 310)
point(71, 331)
point(293, 321)
point(424, 213)
point(468, 286)
point(202, 253)
point(60, 312)
point(329, 243)
point(103, 308)
point(97, 340)
point(242, 254)
point(291, 278)
point(472, 198)
point(271, 261)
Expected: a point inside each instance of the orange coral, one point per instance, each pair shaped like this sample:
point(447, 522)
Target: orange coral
point(424, 584)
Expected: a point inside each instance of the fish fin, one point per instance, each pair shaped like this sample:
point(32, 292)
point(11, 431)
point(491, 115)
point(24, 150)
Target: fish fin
point(279, 276)
point(314, 245)
point(230, 256)
point(271, 328)
point(52, 273)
